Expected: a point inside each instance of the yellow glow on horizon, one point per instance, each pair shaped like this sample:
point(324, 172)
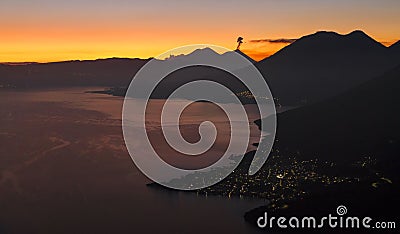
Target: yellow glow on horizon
point(55, 43)
point(56, 30)
point(59, 51)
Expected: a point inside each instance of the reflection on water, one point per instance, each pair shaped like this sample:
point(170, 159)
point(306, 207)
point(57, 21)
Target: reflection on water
point(231, 136)
point(64, 168)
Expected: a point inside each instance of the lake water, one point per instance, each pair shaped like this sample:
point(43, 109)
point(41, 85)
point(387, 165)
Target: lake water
point(64, 168)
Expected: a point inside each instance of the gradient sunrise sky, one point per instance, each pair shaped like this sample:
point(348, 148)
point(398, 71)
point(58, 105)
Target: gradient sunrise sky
point(55, 30)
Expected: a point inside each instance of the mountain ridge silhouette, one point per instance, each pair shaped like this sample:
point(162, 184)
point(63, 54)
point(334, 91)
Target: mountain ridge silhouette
point(324, 64)
point(311, 69)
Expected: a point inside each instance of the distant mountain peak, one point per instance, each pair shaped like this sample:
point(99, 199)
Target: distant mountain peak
point(200, 52)
point(203, 51)
point(324, 32)
point(324, 64)
point(355, 33)
point(331, 42)
point(358, 32)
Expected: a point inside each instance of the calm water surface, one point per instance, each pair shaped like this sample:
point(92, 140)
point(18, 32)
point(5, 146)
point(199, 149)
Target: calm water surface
point(64, 168)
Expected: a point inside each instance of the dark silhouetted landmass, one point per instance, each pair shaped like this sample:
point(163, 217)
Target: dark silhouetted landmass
point(343, 151)
point(311, 69)
point(395, 48)
point(244, 55)
point(325, 64)
point(360, 127)
point(101, 72)
point(193, 73)
point(362, 121)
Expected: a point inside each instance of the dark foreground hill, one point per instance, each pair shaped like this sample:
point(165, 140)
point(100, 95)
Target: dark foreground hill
point(358, 134)
point(362, 121)
point(395, 47)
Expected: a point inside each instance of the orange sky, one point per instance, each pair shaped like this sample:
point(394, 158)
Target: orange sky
point(44, 30)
